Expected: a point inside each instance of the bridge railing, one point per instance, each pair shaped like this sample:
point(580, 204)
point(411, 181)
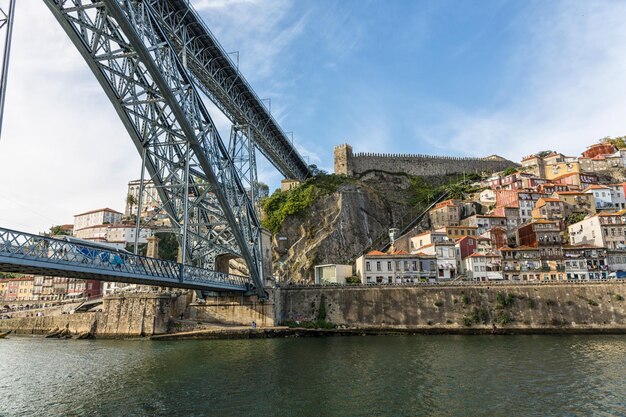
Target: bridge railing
point(72, 252)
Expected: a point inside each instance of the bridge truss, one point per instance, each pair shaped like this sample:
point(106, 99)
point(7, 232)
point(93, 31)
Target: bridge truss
point(155, 59)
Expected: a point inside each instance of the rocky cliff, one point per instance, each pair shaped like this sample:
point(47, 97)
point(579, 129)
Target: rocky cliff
point(343, 222)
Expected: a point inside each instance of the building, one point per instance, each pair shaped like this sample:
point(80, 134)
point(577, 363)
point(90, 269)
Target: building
point(445, 254)
point(484, 222)
point(457, 232)
point(606, 230)
point(576, 180)
point(445, 213)
point(497, 236)
point(585, 262)
point(395, 268)
point(488, 197)
point(332, 273)
point(601, 148)
point(527, 264)
point(18, 289)
point(427, 238)
point(96, 217)
point(576, 202)
point(288, 184)
point(548, 208)
point(568, 166)
point(521, 264)
point(542, 234)
point(513, 220)
point(523, 200)
point(549, 164)
point(119, 234)
point(150, 199)
point(605, 197)
point(483, 267)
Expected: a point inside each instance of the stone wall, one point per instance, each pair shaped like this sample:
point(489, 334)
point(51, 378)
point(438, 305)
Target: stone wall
point(355, 164)
point(140, 314)
point(75, 323)
point(233, 311)
point(596, 305)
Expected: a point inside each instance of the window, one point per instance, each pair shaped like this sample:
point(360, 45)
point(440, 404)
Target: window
point(388, 265)
point(378, 268)
point(367, 266)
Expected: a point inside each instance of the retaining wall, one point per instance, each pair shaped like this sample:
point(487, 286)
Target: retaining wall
point(596, 305)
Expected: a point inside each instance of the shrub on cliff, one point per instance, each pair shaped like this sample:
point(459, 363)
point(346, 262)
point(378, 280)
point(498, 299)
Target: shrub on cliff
point(297, 200)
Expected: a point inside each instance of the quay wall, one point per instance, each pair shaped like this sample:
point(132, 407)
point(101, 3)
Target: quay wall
point(127, 315)
point(557, 306)
point(233, 311)
point(346, 162)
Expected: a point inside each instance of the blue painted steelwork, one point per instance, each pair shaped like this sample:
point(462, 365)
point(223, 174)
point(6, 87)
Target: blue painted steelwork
point(40, 255)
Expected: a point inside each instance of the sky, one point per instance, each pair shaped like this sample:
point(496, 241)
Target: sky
point(436, 77)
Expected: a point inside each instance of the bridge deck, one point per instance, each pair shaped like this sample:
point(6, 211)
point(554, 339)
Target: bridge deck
point(39, 255)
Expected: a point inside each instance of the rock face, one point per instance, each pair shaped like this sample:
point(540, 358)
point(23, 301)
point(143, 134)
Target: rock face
point(338, 227)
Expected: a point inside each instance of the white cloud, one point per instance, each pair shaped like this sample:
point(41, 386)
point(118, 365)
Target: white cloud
point(571, 92)
point(63, 148)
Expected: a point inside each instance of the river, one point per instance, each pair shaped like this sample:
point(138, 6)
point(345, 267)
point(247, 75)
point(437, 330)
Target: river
point(560, 375)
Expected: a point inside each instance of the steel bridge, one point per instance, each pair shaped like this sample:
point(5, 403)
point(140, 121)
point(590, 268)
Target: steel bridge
point(156, 60)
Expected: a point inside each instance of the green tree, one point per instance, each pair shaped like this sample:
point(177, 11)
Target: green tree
point(58, 230)
point(168, 246)
point(131, 200)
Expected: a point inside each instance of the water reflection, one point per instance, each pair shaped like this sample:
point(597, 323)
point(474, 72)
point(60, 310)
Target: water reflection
point(352, 376)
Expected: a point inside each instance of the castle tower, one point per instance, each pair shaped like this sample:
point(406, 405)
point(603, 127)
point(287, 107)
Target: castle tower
point(343, 160)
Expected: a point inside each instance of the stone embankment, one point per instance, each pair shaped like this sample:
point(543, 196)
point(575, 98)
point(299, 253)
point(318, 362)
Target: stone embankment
point(128, 315)
point(538, 308)
point(433, 309)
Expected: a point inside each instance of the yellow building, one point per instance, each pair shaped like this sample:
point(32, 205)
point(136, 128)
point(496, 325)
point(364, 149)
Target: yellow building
point(3, 289)
point(561, 168)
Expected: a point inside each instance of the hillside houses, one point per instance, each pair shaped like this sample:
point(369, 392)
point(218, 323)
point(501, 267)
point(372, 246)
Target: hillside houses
point(555, 218)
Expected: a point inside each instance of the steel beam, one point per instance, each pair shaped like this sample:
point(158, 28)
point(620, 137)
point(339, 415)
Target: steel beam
point(143, 76)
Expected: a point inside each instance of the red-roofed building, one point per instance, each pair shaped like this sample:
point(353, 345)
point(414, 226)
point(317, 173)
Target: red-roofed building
point(602, 148)
point(446, 213)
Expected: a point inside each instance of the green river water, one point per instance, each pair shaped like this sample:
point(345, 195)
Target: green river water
point(336, 376)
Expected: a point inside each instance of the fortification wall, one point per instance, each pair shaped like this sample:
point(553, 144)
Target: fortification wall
point(353, 164)
point(542, 306)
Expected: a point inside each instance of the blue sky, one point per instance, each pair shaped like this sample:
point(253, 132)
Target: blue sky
point(439, 77)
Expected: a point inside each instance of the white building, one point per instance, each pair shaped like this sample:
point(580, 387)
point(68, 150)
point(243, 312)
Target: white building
point(427, 238)
point(484, 267)
point(395, 268)
point(607, 198)
point(332, 273)
point(118, 234)
point(488, 197)
point(149, 199)
point(96, 217)
point(446, 256)
point(606, 230)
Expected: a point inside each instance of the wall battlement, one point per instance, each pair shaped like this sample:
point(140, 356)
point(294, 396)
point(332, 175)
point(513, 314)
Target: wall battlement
point(353, 164)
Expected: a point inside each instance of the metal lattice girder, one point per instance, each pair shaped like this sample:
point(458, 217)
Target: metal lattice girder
point(72, 258)
point(221, 81)
point(155, 97)
point(7, 16)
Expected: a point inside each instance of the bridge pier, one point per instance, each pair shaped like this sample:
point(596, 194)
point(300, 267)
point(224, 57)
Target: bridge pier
point(234, 310)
